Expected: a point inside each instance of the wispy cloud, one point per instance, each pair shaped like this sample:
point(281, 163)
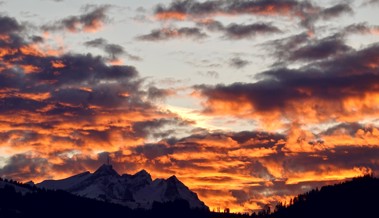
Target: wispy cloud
point(114, 51)
point(91, 21)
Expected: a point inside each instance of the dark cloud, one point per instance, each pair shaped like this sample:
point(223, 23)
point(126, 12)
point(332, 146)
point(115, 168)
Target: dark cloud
point(9, 25)
point(37, 39)
point(320, 49)
point(20, 104)
point(309, 20)
point(114, 50)
point(22, 166)
point(194, 8)
point(307, 12)
point(332, 80)
point(282, 47)
point(359, 157)
point(154, 127)
point(236, 31)
point(99, 42)
point(81, 70)
point(245, 136)
point(173, 33)
point(302, 48)
point(238, 63)
point(152, 151)
point(240, 195)
point(190, 7)
point(91, 21)
point(258, 170)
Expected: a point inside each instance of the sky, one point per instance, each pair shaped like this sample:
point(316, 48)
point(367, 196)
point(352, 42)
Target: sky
point(248, 102)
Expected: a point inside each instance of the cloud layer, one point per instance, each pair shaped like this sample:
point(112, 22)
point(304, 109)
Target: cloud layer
point(308, 118)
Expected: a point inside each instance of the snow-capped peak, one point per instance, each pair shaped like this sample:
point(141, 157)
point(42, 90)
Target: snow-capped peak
point(134, 191)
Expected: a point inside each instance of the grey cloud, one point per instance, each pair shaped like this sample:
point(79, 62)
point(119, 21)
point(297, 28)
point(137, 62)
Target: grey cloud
point(155, 93)
point(240, 31)
point(360, 28)
point(335, 11)
point(211, 73)
point(235, 31)
point(173, 33)
point(238, 63)
point(349, 128)
point(155, 127)
point(113, 50)
point(370, 2)
point(99, 42)
point(320, 49)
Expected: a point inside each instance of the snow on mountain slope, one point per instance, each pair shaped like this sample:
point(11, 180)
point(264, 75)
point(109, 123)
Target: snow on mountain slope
point(134, 191)
point(171, 189)
point(65, 183)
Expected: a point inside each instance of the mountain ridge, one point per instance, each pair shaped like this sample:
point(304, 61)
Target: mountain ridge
point(137, 191)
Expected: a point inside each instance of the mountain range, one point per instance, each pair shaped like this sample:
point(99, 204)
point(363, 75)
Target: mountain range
point(136, 191)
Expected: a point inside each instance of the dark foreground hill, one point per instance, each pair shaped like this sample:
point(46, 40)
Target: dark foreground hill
point(358, 198)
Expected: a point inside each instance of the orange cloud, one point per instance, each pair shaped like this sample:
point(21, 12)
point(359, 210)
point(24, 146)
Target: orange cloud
point(30, 69)
point(170, 16)
point(329, 173)
point(57, 64)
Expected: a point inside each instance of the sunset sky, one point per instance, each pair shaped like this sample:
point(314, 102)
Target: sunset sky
point(248, 102)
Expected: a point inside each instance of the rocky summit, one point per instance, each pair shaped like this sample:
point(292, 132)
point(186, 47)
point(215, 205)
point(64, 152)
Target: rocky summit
point(133, 191)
